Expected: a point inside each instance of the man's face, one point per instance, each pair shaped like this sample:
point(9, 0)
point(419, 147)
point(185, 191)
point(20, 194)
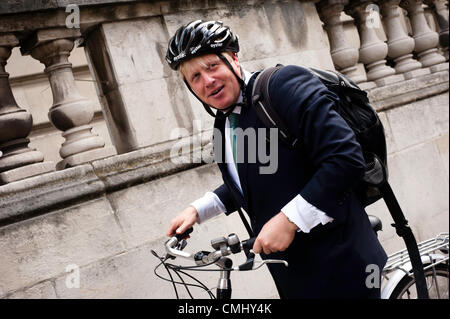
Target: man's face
point(212, 80)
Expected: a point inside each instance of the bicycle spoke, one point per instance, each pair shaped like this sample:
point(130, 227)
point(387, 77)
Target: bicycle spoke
point(436, 283)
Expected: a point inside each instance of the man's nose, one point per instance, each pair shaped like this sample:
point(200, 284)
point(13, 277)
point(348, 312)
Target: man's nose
point(209, 80)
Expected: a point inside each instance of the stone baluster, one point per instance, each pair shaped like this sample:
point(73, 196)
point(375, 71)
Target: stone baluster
point(373, 51)
point(18, 161)
point(425, 39)
point(440, 7)
point(400, 45)
point(71, 112)
point(344, 56)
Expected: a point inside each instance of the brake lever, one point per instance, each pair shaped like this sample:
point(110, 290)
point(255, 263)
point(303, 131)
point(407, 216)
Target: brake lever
point(172, 249)
point(252, 266)
point(271, 261)
point(247, 246)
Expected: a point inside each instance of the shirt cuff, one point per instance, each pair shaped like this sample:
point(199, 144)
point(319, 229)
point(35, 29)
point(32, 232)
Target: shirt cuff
point(208, 206)
point(305, 215)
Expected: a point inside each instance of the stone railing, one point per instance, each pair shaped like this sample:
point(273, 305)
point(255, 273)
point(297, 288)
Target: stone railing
point(400, 48)
point(70, 113)
point(119, 37)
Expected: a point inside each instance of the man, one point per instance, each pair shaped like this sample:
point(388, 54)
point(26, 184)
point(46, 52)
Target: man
point(306, 212)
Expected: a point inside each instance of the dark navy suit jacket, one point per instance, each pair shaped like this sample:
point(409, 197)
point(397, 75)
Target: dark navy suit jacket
point(331, 260)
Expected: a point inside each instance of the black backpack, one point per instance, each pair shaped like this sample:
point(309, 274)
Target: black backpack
point(354, 108)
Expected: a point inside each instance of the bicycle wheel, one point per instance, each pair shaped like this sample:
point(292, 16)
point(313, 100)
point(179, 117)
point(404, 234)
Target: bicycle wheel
point(437, 283)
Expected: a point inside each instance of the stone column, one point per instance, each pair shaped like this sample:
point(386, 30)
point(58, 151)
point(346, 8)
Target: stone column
point(373, 51)
point(426, 40)
point(344, 56)
point(18, 161)
point(400, 45)
point(441, 10)
point(71, 112)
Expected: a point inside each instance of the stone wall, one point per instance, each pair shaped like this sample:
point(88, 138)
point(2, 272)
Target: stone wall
point(417, 136)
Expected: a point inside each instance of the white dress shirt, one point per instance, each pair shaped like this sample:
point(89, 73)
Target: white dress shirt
point(298, 210)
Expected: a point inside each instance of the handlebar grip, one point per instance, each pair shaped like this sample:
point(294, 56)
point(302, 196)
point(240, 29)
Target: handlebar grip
point(184, 235)
point(248, 244)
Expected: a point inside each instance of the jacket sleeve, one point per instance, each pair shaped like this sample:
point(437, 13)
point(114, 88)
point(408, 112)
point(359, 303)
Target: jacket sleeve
point(226, 198)
point(334, 155)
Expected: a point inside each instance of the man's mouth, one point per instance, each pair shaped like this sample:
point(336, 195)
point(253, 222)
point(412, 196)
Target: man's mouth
point(216, 91)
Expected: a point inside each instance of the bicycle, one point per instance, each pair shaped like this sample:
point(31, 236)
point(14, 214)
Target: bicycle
point(222, 247)
point(398, 276)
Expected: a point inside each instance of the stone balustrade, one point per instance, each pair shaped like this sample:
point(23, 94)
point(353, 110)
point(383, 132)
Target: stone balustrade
point(125, 51)
point(344, 56)
point(400, 48)
point(426, 40)
point(373, 52)
point(18, 161)
point(400, 45)
point(441, 9)
point(70, 112)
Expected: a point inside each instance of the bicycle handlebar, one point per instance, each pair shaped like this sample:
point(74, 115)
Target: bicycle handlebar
point(223, 247)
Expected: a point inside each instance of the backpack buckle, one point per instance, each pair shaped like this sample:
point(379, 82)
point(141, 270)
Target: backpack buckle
point(255, 98)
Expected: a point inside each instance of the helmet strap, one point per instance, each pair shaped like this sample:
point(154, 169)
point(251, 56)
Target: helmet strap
point(206, 106)
point(240, 81)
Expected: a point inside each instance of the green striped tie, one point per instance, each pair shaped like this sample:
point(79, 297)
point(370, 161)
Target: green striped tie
point(234, 119)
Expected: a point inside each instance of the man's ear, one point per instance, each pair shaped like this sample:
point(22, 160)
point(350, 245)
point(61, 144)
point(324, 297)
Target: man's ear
point(235, 59)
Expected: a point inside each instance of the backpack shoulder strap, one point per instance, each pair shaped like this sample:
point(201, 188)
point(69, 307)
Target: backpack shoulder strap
point(404, 231)
point(263, 106)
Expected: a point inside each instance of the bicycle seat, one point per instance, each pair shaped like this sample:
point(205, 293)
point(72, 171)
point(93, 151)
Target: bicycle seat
point(375, 222)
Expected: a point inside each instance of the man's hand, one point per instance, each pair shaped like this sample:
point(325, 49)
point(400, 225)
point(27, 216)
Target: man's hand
point(276, 235)
point(182, 222)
